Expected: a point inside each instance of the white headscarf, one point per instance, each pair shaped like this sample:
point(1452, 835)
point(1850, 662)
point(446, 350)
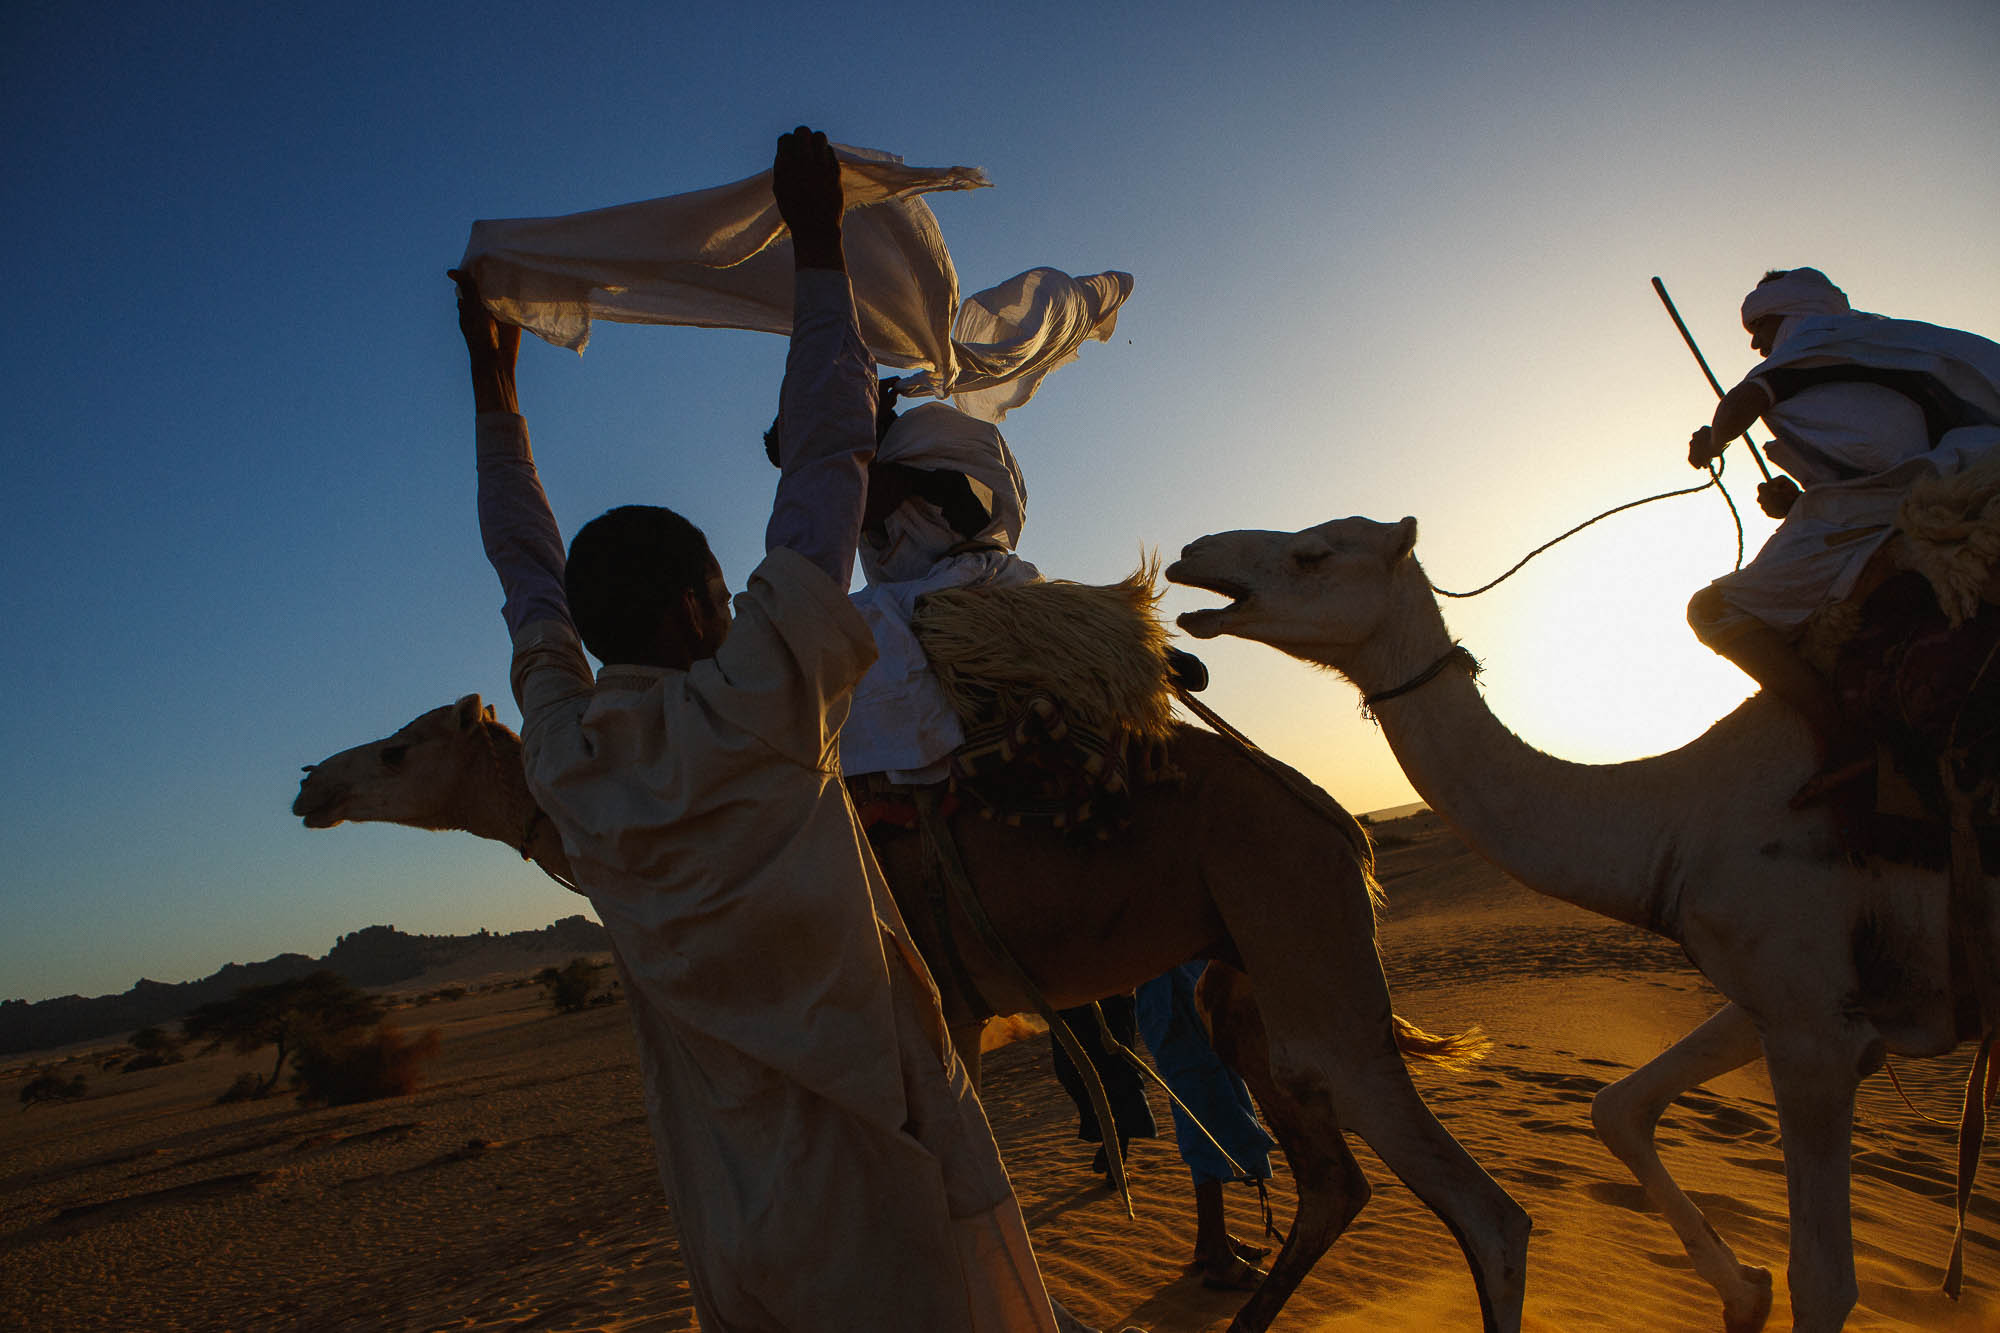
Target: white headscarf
point(1802, 291)
point(939, 438)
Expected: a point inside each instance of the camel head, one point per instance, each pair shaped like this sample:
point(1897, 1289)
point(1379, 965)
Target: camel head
point(422, 776)
point(1319, 594)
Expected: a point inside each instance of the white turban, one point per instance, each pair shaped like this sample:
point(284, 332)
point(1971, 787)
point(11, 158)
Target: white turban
point(939, 438)
point(1803, 291)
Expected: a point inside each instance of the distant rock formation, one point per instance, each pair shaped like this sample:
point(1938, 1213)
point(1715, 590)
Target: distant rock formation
point(374, 956)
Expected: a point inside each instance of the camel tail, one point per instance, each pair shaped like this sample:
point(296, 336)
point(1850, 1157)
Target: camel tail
point(1457, 1051)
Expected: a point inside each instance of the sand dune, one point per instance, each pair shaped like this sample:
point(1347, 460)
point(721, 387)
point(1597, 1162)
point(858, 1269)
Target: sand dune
point(516, 1189)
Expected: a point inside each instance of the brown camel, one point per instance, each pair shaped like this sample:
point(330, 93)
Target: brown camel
point(1226, 865)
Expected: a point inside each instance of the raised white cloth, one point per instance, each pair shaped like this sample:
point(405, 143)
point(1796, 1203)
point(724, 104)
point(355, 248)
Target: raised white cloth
point(722, 258)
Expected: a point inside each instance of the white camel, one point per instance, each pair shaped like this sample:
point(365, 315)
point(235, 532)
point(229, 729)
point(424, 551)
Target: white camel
point(1225, 864)
point(1827, 965)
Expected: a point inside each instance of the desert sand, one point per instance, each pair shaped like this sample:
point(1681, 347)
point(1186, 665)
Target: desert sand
point(516, 1188)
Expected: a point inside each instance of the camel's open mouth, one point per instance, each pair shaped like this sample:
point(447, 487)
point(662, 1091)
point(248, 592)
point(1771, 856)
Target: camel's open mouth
point(1209, 623)
point(317, 809)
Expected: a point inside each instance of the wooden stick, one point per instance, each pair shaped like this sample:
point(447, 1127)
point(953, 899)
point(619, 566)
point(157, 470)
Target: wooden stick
point(1702, 361)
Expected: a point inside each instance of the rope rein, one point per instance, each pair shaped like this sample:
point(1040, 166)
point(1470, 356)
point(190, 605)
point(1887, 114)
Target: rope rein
point(1714, 479)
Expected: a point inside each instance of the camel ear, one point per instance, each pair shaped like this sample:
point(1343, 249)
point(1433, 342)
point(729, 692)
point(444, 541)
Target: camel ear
point(469, 712)
point(1402, 538)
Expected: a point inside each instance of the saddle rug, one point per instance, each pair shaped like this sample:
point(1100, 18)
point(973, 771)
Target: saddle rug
point(1064, 693)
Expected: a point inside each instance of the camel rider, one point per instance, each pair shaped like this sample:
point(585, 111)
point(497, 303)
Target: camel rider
point(1860, 407)
point(946, 504)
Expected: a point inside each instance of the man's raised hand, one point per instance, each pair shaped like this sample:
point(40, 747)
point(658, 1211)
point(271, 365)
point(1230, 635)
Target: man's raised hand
point(490, 346)
point(805, 181)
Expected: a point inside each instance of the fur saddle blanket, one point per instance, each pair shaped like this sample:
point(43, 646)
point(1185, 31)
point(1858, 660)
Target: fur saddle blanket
point(1917, 656)
point(1064, 692)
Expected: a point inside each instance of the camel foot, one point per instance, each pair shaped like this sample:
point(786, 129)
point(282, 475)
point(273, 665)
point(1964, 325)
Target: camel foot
point(1231, 1274)
point(1748, 1315)
point(1232, 1246)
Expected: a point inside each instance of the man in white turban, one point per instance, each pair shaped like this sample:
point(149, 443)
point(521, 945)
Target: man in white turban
point(1860, 407)
point(945, 507)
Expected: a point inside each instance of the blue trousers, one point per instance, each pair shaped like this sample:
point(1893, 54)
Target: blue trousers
point(1178, 1039)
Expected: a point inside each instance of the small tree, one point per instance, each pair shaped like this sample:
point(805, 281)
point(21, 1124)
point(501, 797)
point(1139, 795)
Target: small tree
point(283, 1014)
point(155, 1046)
point(570, 985)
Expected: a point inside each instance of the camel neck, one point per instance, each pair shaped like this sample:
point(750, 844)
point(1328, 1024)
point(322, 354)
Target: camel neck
point(1588, 834)
point(506, 810)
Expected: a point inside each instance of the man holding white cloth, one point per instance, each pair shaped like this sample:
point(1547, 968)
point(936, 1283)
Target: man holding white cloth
point(828, 1165)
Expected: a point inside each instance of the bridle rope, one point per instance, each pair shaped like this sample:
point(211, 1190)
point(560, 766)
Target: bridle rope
point(1714, 479)
point(1456, 654)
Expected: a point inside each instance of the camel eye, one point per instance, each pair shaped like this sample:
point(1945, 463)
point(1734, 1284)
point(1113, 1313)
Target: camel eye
point(1310, 557)
point(393, 755)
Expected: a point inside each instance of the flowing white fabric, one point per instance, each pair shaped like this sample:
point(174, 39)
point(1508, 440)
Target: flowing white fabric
point(721, 258)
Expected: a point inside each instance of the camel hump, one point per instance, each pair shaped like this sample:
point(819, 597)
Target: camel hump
point(1459, 1050)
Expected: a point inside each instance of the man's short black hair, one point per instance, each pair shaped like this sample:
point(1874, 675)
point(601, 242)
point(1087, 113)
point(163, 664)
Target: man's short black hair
point(627, 569)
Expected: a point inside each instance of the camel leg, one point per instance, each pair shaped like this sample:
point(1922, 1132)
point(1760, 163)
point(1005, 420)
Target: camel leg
point(1331, 1186)
point(1814, 1074)
point(1625, 1114)
point(1333, 1051)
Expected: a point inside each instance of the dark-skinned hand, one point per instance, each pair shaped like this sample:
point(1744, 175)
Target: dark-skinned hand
point(1702, 449)
point(1777, 496)
point(490, 346)
point(805, 181)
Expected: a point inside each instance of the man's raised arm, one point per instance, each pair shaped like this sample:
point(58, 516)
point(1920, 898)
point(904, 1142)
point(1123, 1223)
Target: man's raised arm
point(826, 436)
point(515, 524)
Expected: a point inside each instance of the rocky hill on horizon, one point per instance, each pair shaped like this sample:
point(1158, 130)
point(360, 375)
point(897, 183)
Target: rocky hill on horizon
point(372, 957)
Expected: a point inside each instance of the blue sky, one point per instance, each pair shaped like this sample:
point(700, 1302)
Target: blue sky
point(1390, 259)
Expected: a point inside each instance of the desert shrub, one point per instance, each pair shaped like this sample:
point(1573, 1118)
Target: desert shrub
point(53, 1087)
point(148, 1060)
point(570, 986)
point(348, 1067)
point(452, 993)
point(152, 1039)
point(247, 1088)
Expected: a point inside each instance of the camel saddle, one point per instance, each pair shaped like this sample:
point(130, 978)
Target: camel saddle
point(1064, 691)
point(1930, 694)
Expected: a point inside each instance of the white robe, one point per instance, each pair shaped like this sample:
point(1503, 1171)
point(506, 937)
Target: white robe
point(828, 1165)
point(1826, 433)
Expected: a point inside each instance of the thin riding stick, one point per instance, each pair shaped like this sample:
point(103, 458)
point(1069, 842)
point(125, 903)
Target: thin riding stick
point(1702, 361)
